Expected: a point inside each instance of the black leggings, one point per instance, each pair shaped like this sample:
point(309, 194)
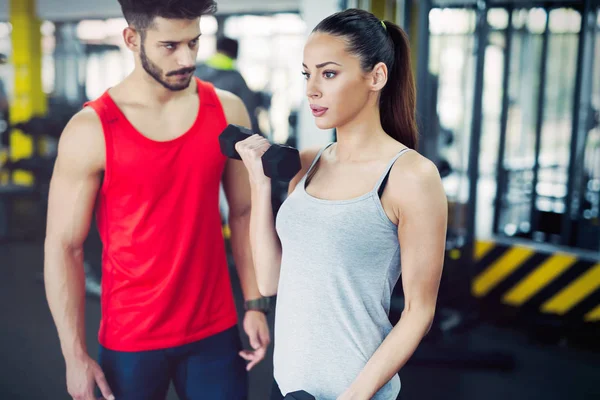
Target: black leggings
point(275, 392)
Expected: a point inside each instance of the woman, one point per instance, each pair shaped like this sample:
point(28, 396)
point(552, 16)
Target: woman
point(355, 209)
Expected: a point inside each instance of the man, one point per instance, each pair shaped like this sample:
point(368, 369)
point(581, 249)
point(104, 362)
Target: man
point(220, 71)
point(146, 156)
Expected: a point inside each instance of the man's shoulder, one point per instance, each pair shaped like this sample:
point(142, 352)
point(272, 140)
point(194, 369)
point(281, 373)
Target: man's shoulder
point(82, 141)
point(233, 107)
point(228, 99)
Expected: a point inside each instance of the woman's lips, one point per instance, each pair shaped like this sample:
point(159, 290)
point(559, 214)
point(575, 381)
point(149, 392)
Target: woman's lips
point(318, 111)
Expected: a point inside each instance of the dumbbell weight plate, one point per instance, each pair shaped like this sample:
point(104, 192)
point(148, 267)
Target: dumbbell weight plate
point(230, 136)
point(282, 162)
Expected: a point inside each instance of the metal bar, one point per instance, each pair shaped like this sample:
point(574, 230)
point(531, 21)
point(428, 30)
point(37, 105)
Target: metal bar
point(388, 13)
point(458, 35)
point(577, 4)
point(539, 123)
point(501, 174)
point(476, 129)
point(581, 107)
point(423, 69)
point(350, 4)
point(402, 13)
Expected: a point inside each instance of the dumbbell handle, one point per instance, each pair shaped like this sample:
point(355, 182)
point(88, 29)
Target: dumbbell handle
point(243, 134)
point(279, 162)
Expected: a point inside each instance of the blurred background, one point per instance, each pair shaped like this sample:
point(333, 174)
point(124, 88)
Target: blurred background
point(508, 107)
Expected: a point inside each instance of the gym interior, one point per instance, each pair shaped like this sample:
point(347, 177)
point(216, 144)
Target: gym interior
point(508, 107)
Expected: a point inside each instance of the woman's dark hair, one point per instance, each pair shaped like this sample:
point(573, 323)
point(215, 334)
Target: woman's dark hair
point(372, 42)
point(140, 14)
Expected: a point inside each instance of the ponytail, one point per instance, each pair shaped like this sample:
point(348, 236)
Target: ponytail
point(375, 41)
point(398, 98)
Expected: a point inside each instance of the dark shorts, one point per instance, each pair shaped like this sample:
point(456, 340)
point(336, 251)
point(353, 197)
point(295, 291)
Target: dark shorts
point(208, 369)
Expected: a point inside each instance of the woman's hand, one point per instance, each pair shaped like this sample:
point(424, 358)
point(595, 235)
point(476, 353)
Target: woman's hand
point(251, 150)
point(350, 395)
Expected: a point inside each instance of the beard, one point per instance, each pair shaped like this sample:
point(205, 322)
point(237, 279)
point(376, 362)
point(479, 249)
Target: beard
point(159, 76)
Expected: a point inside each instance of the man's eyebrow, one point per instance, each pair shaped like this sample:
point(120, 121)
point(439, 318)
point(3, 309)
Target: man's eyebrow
point(323, 64)
point(175, 42)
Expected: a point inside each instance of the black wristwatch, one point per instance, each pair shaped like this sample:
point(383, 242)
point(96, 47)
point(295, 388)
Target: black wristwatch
point(262, 304)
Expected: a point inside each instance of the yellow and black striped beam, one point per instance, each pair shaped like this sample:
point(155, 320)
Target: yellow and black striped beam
point(563, 284)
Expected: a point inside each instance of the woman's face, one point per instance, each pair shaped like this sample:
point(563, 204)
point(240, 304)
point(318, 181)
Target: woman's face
point(337, 88)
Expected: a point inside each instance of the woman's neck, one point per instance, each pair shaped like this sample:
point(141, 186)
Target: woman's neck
point(361, 139)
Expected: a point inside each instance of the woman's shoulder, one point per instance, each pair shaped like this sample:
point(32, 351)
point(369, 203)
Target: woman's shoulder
point(307, 156)
point(415, 179)
point(414, 166)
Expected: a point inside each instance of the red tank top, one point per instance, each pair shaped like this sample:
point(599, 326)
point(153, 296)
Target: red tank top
point(165, 280)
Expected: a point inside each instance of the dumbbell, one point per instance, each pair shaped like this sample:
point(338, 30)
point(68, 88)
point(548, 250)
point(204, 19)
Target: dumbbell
point(299, 395)
point(279, 162)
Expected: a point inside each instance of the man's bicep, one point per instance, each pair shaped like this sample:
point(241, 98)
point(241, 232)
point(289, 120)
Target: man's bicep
point(236, 186)
point(74, 186)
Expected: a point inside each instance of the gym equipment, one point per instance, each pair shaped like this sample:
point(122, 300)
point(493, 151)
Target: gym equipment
point(43, 126)
point(280, 162)
point(299, 395)
point(18, 201)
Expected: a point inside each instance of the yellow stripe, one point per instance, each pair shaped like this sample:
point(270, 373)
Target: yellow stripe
point(574, 293)
point(226, 232)
point(482, 248)
point(499, 270)
point(539, 278)
point(593, 315)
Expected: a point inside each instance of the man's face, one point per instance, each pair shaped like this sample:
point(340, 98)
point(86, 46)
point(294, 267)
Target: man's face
point(168, 51)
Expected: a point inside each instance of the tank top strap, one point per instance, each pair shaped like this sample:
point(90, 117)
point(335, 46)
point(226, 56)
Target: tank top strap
point(207, 93)
point(210, 104)
point(110, 115)
point(105, 108)
point(388, 168)
point(316, 159)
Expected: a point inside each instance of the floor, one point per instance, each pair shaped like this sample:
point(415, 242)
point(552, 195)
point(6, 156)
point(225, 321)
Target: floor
point(32, 367)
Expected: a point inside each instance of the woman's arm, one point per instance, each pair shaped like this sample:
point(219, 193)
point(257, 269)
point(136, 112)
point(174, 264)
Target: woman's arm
point(264, 242)
point(421, 207)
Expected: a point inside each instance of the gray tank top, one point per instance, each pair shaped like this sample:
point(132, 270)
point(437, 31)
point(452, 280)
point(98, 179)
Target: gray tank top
point(340, 262)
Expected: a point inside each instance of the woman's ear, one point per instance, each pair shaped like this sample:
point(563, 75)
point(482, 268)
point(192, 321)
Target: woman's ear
point(379, 76)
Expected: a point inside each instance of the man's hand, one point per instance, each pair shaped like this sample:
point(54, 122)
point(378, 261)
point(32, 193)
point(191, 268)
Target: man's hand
point(82, 376)
point(255, 326)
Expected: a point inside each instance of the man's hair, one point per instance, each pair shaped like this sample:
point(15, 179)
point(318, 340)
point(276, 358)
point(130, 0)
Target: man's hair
point(140, 14)
point(228, 46)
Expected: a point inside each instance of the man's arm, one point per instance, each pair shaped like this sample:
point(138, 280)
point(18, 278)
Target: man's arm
point(237, 191)
point(73, 189)
point(236, 185)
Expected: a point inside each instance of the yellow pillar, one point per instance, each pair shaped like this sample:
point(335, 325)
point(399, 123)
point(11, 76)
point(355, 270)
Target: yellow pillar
point(413, 35)
point(29, 98)
point(384, 9)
